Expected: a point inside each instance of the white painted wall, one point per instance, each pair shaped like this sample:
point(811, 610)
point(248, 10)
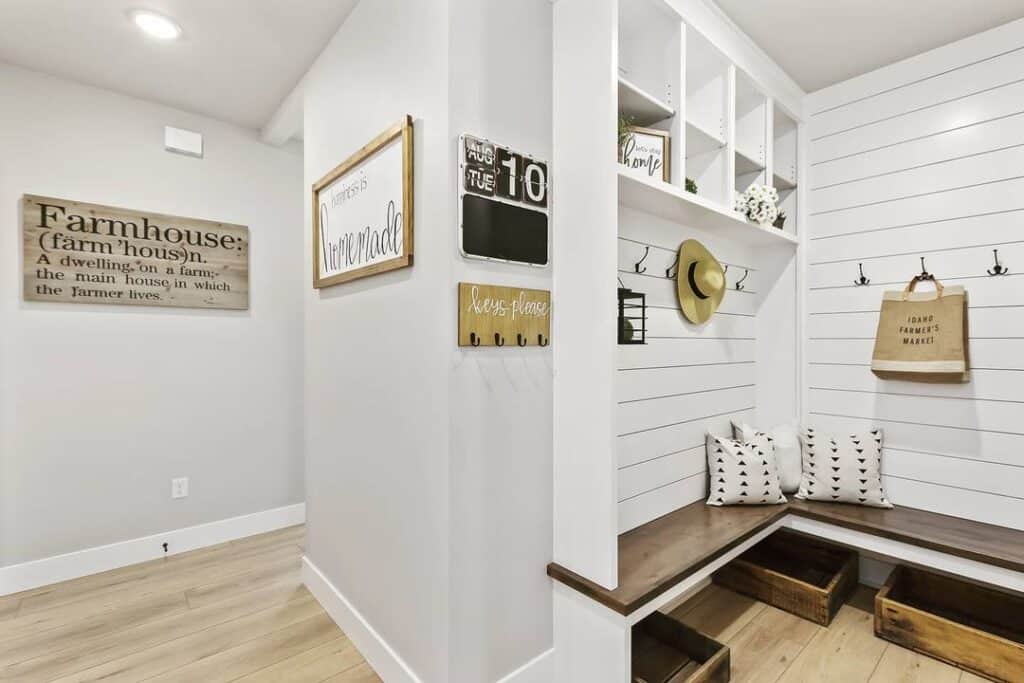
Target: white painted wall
point(429, 466)
point(499, 398)
point(100, 406)
point(923, 158)
point(377, 374)
point(688, 379)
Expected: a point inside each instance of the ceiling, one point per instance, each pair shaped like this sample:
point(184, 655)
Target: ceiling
point(821, 42)
point(236, 60)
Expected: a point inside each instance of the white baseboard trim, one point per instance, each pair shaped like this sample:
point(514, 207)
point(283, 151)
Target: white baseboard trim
point(375, 650)
point(540, 669)
point(29, 575)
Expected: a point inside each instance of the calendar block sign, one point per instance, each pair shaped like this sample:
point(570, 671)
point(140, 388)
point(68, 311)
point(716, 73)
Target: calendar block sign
point(503, 203)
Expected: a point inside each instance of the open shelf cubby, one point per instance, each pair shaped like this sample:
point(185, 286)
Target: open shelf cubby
point(751, 134)
point(784, 164)
point(641, 107)
point(649, 71)
point(708, 90)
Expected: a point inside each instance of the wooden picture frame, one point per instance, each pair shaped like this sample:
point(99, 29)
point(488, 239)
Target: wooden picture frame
point(380, 263)
point(646, 138)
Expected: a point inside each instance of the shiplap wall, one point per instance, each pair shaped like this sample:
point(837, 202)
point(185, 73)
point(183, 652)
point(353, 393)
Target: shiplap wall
point(687, 380)
point(925, 158)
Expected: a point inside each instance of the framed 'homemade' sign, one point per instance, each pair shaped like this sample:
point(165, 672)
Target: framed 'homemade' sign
point(503, 203)
point(490, 315)
point(363, 213)
point(82, 253)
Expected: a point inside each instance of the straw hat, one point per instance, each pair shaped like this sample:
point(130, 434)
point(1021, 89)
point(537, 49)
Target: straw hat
point(700, 282)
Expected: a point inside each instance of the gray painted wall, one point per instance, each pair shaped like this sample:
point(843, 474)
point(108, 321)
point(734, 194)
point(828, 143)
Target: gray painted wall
point(429, 466)
point(377, 421)
point(100, 406)
point(501, 400)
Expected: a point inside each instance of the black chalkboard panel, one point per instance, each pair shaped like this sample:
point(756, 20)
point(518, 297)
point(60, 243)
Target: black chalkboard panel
point(503, 231)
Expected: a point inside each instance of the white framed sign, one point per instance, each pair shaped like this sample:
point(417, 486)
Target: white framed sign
point(503, 203)
point(363, 212)
point(647, 151)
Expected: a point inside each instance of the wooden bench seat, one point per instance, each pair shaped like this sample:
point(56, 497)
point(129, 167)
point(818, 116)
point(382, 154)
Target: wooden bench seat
point(658, 555)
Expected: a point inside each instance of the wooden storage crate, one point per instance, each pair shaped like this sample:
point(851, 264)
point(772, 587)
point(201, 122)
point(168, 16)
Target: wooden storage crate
point(805, 576)
point(667, 651)
point(967, 624)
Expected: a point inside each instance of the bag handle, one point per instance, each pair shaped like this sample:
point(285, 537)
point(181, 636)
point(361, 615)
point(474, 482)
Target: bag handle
point(912, 285)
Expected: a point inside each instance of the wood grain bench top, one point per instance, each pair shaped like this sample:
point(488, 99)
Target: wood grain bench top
point(987, 543)
point(658, 555)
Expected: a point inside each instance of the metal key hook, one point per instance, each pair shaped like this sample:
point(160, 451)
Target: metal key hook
point(739, 283)
point(925, 275)
point(668, 271)
point(998, 268)
point(636, 266)
point(861, 281)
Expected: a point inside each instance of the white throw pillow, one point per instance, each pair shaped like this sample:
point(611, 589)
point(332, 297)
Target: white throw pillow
point(843, 469)
point(786, 442)
point(742, 473)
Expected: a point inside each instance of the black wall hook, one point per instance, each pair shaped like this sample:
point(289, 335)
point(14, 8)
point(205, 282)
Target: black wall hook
point(668, 271)
point(541, 341)
point(473, 339)
point(520, 340)
point(739, 283)
point(925, 275)
point(636, 266)
point(498, 340)
point(998, 268)
point(861, 281)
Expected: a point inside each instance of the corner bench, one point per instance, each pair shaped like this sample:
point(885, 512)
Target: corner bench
point(672, 557)
point(691, 541)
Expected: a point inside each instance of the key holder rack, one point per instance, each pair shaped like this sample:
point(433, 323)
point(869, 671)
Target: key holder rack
point(500, 316)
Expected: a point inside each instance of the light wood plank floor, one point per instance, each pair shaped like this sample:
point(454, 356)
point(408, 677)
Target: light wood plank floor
point(233, 612)
point(768, 645)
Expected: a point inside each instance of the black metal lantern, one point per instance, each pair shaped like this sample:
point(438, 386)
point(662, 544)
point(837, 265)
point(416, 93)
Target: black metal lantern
point(632, 317)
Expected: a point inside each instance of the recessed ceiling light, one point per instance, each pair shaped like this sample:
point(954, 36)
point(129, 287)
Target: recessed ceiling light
point(156, 25)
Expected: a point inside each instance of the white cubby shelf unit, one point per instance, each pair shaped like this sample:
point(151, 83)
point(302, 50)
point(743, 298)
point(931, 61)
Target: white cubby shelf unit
point(733, 118)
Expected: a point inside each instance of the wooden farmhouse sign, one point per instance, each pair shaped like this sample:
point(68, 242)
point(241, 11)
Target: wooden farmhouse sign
point(490, 315)
point(363, 213)
point(87, 253)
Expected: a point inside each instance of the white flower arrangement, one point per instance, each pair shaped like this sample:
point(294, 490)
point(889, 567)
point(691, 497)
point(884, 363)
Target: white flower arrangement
point(759, 204)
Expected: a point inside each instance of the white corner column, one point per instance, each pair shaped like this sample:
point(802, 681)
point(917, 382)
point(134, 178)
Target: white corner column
point(585, 214)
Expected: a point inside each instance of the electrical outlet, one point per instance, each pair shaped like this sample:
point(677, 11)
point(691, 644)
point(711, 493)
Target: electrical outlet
point(179, 487)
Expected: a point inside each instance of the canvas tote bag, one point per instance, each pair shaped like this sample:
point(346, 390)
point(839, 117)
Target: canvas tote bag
point(922, 336)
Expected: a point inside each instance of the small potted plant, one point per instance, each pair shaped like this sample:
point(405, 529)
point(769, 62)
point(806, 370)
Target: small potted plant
point(625, 123)
point(780, 220)
point(691, 186)
point(759, 204)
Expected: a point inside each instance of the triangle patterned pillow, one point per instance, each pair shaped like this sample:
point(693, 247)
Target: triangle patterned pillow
point(742, 473)
point(843, 469)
